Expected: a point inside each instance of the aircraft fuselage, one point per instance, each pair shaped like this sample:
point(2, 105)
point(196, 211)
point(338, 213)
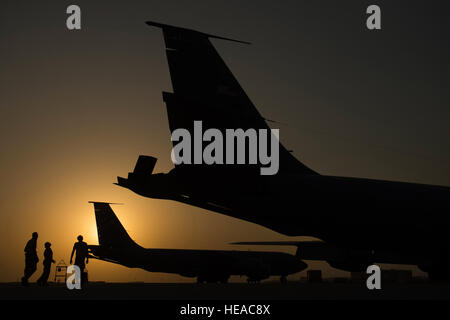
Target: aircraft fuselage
point(202, 263)
point(379, 214)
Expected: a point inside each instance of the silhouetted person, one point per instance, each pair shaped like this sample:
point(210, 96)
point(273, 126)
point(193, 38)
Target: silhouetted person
point(31, 258)
point(81, 249)
point(48, 260)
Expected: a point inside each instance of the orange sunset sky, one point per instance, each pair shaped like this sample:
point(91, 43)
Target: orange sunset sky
point(78, 107)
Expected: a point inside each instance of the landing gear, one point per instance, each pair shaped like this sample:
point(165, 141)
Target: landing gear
point(213, 279)
point(283, 279)
point(250, 281)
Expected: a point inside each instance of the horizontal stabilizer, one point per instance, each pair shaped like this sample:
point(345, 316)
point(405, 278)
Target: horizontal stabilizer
point(101, 202)
point(184, 30)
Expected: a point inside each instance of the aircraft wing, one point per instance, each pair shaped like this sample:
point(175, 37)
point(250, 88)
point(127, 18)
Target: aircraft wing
point(310, 250)
point(341, 257)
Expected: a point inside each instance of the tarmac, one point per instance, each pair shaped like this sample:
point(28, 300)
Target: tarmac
point(230, 291)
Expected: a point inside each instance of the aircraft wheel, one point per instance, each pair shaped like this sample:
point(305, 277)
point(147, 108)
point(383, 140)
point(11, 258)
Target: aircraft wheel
point(200, 279)
point(252, 281)
point(224, 280)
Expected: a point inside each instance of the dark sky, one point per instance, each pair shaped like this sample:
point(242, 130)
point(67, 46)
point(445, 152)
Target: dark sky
point(77, 107)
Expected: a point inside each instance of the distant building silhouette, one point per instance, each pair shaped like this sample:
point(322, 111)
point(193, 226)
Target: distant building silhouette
point(314, 276)
point(396, 276)
point(358, 277)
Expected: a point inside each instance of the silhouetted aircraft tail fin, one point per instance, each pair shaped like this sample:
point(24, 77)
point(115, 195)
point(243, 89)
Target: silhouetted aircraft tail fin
point(204, 89)
point(110, 231)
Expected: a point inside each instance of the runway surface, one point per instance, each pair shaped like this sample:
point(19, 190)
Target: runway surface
point(230, 291)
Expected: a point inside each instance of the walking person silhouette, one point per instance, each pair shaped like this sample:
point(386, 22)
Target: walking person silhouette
point(31, 259)
point(48, 260)
point(81, 250)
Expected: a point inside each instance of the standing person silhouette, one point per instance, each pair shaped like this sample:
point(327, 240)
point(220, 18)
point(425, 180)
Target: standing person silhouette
point(48, 260)
point(31, 259)
point(81, 249)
